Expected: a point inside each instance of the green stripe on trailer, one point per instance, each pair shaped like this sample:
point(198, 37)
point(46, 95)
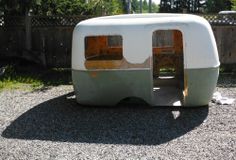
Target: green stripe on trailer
point(201, 84)
point(111, 86)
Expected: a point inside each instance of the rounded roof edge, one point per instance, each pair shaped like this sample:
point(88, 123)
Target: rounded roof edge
point(140, 19)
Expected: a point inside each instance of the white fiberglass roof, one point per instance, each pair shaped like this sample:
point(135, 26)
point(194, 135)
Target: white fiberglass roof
point(139, 19)
point(200, 50)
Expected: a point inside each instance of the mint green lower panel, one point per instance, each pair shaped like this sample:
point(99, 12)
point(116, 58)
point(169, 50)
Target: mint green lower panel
point(201, 85)
point(110, 87)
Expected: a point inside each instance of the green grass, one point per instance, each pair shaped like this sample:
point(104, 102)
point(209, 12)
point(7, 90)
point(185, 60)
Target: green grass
point(32, 77)
point(10, 84)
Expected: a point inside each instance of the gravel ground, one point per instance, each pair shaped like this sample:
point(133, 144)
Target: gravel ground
point(48, 124)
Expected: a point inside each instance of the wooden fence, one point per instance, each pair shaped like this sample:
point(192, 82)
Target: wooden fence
point(47, 40)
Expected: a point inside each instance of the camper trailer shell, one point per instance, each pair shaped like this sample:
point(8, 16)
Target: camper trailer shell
point(118, 57)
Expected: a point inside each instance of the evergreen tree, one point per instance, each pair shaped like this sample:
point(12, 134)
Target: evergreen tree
point(214, 6)
point(145, 6)
point(179, 6)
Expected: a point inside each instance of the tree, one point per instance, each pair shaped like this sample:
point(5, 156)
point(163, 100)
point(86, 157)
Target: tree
point(106, 7)
point(214, 6)
point(61, 7)
point(15, 7)
point(233, 5)
point(179, 6)
point(135, 6)
point(165, 5)
point(145, 6)
point(155, 8)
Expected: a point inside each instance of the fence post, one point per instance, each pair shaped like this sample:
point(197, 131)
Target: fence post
point(28, 37)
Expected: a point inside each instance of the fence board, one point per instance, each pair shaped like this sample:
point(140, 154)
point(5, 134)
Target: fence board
point(50, 38)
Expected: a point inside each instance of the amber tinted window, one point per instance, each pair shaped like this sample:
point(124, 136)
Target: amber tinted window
point(103, 48)
point(162, 38)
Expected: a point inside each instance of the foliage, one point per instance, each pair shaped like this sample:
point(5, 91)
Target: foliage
point(145, 6)
point(194, 6)
point(58, 7)
point(214, 6)
point(109, 7)
point(179, 6)
point(62, 7)
point(72, 7)
point(17, 7)
point(105, 7)
point(31, 77)
point(233, 5)
point(155, 8)
point(135, 6)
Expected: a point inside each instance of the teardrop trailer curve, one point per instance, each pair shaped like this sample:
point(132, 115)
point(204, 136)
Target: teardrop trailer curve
point(164, 59)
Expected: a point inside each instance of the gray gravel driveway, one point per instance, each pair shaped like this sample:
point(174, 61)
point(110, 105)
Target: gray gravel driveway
point(49, 124)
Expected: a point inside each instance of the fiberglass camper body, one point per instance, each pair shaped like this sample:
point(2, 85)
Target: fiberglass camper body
point(163, 59)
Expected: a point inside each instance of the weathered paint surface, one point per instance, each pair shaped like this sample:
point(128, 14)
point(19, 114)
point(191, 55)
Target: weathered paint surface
point(108, 87)
point(101, 82)
point(201, 84)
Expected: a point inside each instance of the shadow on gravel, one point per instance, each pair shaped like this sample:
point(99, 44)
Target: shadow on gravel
point(62, 119)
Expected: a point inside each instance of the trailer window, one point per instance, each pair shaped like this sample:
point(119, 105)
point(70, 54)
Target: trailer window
point(167, 47)
point(103, 47)
point(162, 38)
